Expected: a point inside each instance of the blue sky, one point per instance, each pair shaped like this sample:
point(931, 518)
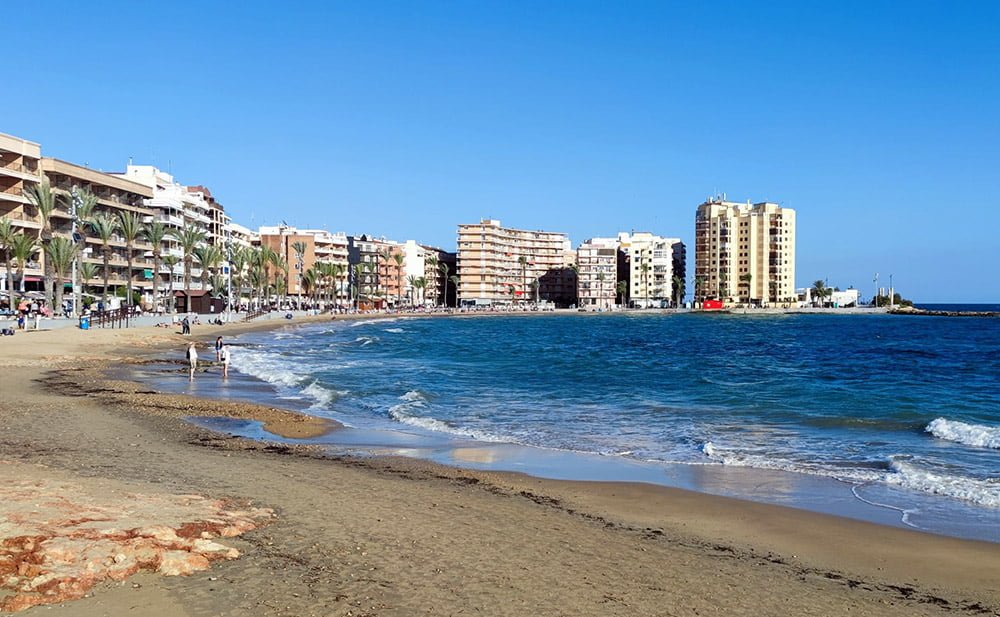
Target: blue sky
point(878, 121)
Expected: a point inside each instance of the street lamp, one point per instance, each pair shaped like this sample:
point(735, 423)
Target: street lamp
point(229, 280)
point(875, 297)
point(75, 202)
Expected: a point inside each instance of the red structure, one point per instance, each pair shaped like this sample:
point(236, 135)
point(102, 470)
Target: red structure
point(711, 305)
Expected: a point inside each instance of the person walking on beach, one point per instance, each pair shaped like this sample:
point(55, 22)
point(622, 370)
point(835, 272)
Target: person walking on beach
point(218, 349)
point(224, 358)
point(192, 356)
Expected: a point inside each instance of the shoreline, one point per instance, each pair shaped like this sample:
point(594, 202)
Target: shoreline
point(826, 560)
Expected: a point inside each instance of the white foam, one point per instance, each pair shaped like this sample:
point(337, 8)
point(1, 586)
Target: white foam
point(270, 368)
point(969, 434)
point(322, 395)
point(908, 475)
point(413, 396)
point(414, 400)
point(395, 330)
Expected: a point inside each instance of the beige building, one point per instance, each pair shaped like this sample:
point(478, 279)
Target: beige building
point(745, 253)
point(19, 169)
point(321, 246)
point(656, 269)
point(500, 265)
point(597, 273)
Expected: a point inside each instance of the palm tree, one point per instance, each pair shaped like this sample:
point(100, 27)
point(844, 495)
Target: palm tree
point(105, 225)
point(337, 271)
point(358, 273)
point(42, 197)
point(600, 287)
point(622, 290)
point(208, 256)
point(22, 248)
point(421, 284)
point(7, 235)
point(399, 259)
point(524, 277)
point(455, 280)
point(131, 226)
point(85, 202)
point(156, 233)
point(443, 272)
point(87, 272)
point(170, 261)
point(411, 282)
point(820, 290)
point(310, 280)
point(60, 252)
point(300, 250)
point(679, 291)
point(645, 283)
point(268, 258)
point(239, 257)
point(699, 285)
point(431, 265)
point(189, 238)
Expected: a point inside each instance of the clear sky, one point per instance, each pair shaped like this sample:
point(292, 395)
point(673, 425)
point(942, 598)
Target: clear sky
point(879, 122)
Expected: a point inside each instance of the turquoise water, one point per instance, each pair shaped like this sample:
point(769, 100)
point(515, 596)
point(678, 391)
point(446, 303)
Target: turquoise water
point(904, 409)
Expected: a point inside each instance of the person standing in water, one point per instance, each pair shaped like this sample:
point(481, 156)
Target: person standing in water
point(218, 349)
point(192, 356)
point(224, 358)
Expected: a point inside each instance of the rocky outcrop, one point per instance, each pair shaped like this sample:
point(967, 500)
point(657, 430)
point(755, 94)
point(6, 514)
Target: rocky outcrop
point(58, 540)
point(909, 310)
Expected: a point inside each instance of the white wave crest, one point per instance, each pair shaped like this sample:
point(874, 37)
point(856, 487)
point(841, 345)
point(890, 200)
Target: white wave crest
point(366, 340)
point(908, 475)
point(968, 434)
point(415, 400)
point(268, 367)
point(395, 330)
point(322, 395)
point(413, 396)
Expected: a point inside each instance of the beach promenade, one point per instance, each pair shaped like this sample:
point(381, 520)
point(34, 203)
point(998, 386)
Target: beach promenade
point(306, 534)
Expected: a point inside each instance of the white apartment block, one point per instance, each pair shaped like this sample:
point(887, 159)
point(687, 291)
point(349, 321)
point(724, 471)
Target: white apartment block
point(597, 273)
point(654, 262)
point(745, 253)
point(501, 265)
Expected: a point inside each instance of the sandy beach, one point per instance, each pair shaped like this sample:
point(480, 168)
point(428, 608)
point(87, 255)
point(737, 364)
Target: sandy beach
point(268, 529)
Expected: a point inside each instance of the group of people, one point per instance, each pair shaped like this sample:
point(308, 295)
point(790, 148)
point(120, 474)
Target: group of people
point(222, 356)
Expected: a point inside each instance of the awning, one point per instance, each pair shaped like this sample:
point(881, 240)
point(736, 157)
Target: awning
point(32, 279)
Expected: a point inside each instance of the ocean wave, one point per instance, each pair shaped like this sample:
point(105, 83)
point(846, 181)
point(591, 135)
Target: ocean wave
point(901, 472)
point(415, 400)
point(366, 340)
point(395, 330)
point(322, 395)
point(907, 474)
point(267, 367)
point(968, 434)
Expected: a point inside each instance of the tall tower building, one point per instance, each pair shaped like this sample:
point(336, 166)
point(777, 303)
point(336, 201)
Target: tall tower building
point(744, 253)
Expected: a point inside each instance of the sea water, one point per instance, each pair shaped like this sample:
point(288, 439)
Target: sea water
point(905, 410)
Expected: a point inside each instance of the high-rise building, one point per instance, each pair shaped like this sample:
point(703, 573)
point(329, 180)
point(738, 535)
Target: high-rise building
point(19, 170)
point(597, 273)
point(501, 265)
point(656, 269)
point(115, 195)
point(423, 262)
point(744, 253)
point(317, 246)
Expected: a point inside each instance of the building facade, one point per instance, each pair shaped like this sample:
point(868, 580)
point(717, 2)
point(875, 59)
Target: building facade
point(318, 247)
point(597, 273)
point(745, 253)
point(20, 170)
point(656, 269)
point(501, 265)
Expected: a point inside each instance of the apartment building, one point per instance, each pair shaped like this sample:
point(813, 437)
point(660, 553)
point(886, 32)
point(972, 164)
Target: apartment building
point(19, 169)
point(423, 261)
point(656, 269)
point(115, 195)
point(375, 282)
point(745, 253)
point(502, 265)
point(318, 246)
point(597, 273)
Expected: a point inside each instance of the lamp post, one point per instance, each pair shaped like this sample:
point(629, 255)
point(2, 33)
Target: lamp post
point(892, 295)
point(229, 277)
point(74, 204)
point(875, 297)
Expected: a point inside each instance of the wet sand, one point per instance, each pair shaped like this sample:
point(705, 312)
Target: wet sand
point(390, 536)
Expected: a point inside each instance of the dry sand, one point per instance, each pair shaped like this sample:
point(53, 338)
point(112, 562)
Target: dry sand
point(406, 537)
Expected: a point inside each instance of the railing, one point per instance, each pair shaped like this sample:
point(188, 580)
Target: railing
point(21, 168)
point(120, 317)
point(254, 314)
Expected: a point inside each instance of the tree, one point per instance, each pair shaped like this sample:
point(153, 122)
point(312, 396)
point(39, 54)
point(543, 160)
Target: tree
point(88, 271)
point(189, 238)
point(455, 280)
point(22, 248)
point(84, 202)
point(820, 291)
point(645, 283)
point(41, 196)
point(300, 252)
point(238, 259)
point(622, 290)
point(358, 271)
point(105, 226)
point(411, 281)
point(431, 265)
point(338, 271)
point(524, 277)
point(209, 256)
point(399, 259)
point(171, 261)
point(310, 280)
point(7, 234)
point(443, 271)
point(699, 287)
point(421, 284)
point(131, 226)
point(60, 252)
point(156, 233)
